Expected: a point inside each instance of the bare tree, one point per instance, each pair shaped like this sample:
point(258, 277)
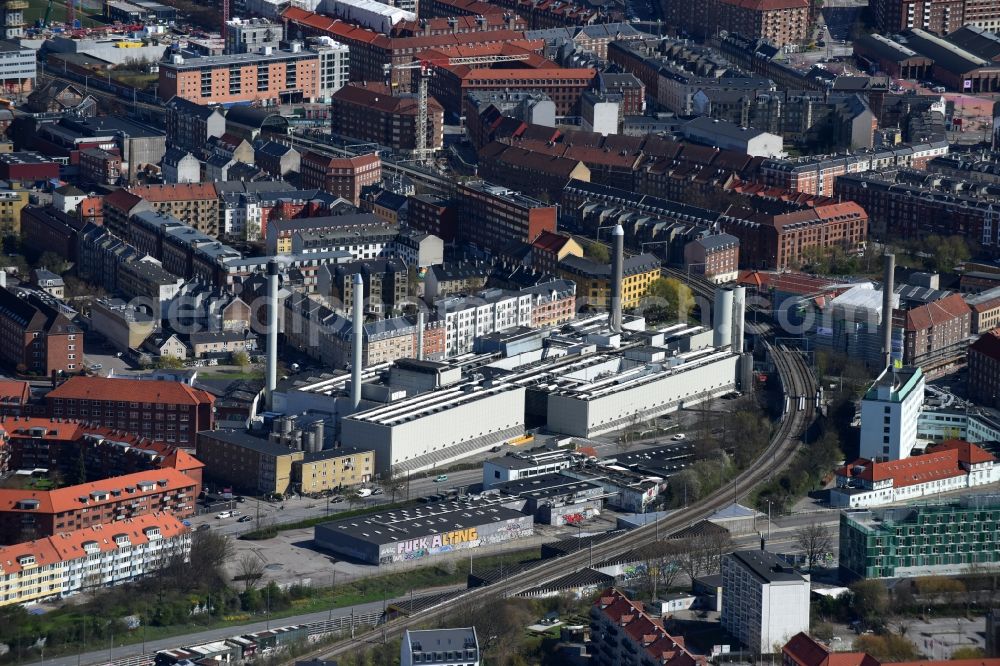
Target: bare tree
point(662, 564)
point(251, 570)
point(392, 482)
point(630, 433)
point(210, 549)
point(814, 540)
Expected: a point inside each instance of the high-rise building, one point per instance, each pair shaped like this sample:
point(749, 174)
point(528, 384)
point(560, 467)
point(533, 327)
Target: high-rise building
point(938, 16)
point(921, 540)
point(764, 601)
point(889, 413)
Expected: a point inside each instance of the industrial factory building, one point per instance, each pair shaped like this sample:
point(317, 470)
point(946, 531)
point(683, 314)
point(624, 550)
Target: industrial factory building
point(421, 532)
point(438, 427)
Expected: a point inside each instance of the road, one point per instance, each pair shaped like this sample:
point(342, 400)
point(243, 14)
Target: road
point(797, 380)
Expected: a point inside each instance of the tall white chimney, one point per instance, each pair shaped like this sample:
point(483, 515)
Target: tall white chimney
point(420, 335)
point(359, 326)
point(617, 275)
point(739, 317)
point(722, 318)
point(888, 289)
point(272, 333)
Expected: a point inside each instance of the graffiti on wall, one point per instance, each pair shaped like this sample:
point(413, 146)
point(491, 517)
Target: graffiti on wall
point(415, 549)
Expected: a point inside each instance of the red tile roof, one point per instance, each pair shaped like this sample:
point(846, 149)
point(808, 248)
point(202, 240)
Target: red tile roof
point(806, 651)
point(647, 633)
point(132, 390)
point(14, 391)
point(550, 242)
point(968, 453)
point(949, 662)
point(122, 200)
point(69, 545)
point(936, 313)
point(72, 497)
point(176, 192)
point(942, 464)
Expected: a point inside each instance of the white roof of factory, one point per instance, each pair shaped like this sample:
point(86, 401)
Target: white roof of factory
point(863, 296)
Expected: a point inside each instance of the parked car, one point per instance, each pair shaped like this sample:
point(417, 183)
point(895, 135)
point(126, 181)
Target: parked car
point(244, 519)
point(679, 437)
point(204, 527)
point(364, 492)
point(223, 514)
point(377, 491)
point(441, 478)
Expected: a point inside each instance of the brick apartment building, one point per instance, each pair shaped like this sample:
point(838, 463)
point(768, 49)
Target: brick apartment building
point(984, 370)
point(536, 173)
point(100, 167)
point(51, 230)
point(563, 85)
point(370, 112)
point(937, 16)
point(433, 215)
point(936, 333)
point(341, 176)
point(32, 514)
point(494, 216)
point(283, 77)
point(716, 257)
point(35, 337)
point(163, 411)
point(62, 444)
point(195, 204)
point(782, 241)
point(371, 51)
point(781, 22)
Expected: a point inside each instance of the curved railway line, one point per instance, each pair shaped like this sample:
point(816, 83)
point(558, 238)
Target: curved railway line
point(800, 389)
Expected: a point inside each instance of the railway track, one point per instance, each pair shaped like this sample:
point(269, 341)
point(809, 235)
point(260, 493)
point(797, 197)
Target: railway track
point(436, 183)
point(797, 381)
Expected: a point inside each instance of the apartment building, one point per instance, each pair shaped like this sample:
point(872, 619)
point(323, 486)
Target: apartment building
point(259, 465)
point(189, 125)
point(271, 77)
point(36, 337)
point(716, 257)
point(163, 411)
point(938, 16)
point(370, 112)
point(386, 283)
point(984, 370)
point(623, 633)
point(784, 240)
point(467, 318)
point(494, 216)
point(440, 647)
point(781, 22)
point(764, 601)
point(253, 35)
point(344, 177)
point(35, 514)
point(93, 557)
point(593, 280)
point(51, 230)
point(935, 334)
point(194, 204)
point(931, 539)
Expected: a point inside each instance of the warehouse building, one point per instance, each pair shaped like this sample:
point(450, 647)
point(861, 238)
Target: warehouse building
point(421, 532)
point(435, 428)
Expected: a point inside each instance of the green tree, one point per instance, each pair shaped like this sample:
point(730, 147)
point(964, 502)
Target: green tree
point(596, 252)
point(870, 600)
point(968, 652)
point(241, 358)
point(887, 647)
point(169, 363)
point(53, 262)
point(948, 252)
point(668, 299)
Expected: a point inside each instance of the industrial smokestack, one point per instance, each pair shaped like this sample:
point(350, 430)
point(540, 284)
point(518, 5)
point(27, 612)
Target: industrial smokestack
point(359, 324)
point(739, 317)
point(888, 287)
point(617, 276)
point(272, 333)
point(420, 335)
point(722, 318)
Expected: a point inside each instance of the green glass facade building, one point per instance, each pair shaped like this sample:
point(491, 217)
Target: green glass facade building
point(921, 540)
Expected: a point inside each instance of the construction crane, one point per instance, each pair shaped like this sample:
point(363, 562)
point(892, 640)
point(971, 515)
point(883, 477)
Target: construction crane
point(48, 14)
point(426, 70)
